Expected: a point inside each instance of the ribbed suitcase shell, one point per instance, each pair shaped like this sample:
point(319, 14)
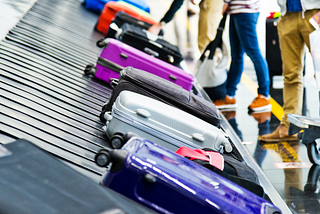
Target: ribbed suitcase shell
point(150, 43)
point(110, 10)
point(166, 125)
point(169, 183)
point(121, 18)
point(150, 85)
point(117, 55)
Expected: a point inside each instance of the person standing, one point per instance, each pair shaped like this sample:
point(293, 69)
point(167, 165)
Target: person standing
point(293, 30)
point(209, 18)
point(243, 38)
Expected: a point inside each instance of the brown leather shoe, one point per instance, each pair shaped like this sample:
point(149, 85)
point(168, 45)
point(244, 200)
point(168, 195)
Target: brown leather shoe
point(280, 134)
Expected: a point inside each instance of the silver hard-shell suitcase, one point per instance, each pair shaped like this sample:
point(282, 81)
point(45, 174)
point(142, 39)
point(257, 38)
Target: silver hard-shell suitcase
point(160, 123)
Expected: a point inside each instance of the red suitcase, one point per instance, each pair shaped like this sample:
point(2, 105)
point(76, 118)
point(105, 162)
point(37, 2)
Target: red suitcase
point(110, 10)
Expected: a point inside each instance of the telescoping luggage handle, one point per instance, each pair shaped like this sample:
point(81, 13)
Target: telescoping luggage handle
point(217, 42)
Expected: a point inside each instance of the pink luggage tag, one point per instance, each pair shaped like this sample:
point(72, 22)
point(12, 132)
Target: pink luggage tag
point(215, 158)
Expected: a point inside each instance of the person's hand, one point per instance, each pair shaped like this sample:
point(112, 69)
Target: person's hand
point(225, 7)
point(155, 29)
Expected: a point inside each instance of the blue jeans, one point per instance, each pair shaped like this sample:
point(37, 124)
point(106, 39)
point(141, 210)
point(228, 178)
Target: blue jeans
point(243, 38)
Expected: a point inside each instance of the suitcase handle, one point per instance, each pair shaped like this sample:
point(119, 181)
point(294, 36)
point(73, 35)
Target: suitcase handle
point(107, 115)
point(124, 55)
point(198, 137)
point(113, 82)
point(173, 77)
point(143, 113)
point(151, 52)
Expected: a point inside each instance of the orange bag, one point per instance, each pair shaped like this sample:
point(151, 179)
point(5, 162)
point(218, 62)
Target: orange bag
point(110, 10)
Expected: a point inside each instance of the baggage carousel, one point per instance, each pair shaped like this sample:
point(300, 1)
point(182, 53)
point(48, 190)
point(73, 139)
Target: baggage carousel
point(46, 98)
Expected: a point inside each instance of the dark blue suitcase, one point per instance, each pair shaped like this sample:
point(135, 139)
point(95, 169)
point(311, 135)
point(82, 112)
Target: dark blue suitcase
point(97, 5)
point(168, 183)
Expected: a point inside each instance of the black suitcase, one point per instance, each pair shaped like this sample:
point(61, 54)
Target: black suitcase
point(234, 169)
point(34, 181)
point(150, 85)
point(151, 44)
point(121, 18)
point(273, 54)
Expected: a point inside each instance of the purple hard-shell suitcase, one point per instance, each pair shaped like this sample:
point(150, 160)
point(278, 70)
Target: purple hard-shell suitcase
point(169, 183)
point(117, 55)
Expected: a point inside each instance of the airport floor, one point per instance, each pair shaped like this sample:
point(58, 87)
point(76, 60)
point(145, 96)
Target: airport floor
point(285, 164)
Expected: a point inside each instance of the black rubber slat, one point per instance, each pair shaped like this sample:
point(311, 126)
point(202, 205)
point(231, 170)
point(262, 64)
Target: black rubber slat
point(44, 95)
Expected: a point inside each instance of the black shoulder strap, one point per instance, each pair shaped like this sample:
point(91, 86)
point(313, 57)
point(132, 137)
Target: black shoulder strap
point(217, 42)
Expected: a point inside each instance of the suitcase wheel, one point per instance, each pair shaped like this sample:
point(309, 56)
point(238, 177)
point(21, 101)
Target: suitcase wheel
point(90, 69)
point(102, 158)
point(314, 152)
point(100, 43)
point(116, 141)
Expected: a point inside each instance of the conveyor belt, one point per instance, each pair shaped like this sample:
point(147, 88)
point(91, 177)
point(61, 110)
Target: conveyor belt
point(46, 98)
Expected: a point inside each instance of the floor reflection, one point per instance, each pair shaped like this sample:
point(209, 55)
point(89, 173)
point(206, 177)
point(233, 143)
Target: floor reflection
point(306, 199)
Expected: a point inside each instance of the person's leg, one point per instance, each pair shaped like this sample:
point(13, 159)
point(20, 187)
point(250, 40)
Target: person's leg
point(292, 48)
point(307, 29)
point(209, 18)
point(237, 52)
point(292, 51)
point(246, 25)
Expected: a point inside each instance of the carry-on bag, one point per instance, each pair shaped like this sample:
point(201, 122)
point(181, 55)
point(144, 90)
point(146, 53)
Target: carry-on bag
point(211, 69)
point(97, 5)
point(273, 54)
point(34, 181)
point(116, 56)
point(123, 17)
point(169, 183)
point(161, 123)
point(150, 85)
point(150, 44)
point(110, 10)
point(227, 166)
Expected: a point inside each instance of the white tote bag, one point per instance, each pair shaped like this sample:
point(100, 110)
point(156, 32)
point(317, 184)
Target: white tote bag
point(212, 71)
